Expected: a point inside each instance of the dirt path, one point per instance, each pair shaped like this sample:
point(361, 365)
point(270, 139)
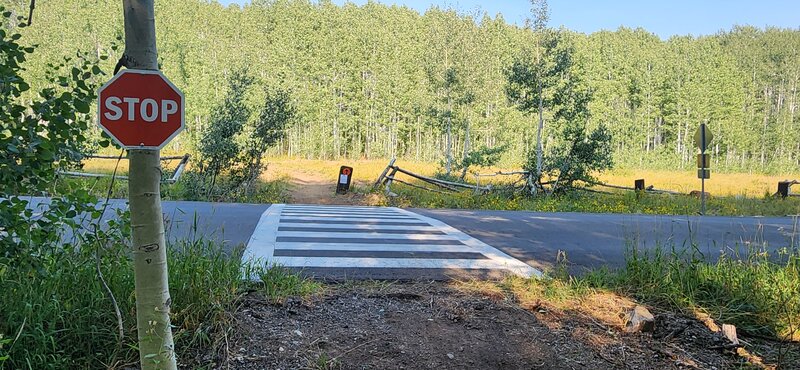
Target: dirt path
point(436, 326)
point(313, 188)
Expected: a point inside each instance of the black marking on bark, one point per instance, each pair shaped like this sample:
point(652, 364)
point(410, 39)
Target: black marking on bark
point(30, 13)
point(149, 248)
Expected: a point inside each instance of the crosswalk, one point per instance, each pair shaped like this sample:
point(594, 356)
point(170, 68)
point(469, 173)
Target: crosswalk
point(372, 243)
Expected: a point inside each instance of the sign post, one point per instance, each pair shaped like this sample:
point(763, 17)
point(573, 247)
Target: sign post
point(703, 137)
point(142, 111)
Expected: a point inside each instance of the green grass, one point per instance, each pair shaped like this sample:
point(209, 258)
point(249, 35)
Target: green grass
point(581, 201)
point(756, 291)
point(60, 317)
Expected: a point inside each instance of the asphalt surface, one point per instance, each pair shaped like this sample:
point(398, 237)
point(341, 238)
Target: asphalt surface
point(594, 240)
point(589, 240)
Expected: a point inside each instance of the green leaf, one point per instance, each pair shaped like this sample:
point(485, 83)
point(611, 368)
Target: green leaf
point(81, 106)
point(71, 213)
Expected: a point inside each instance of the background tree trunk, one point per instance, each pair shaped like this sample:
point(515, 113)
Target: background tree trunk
point(539, 136)
point(156, 348)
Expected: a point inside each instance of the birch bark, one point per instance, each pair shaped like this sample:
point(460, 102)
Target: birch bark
point(156, 348)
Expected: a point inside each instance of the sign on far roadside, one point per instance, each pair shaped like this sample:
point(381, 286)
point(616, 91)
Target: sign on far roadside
point(140, 109)
point(703, 137)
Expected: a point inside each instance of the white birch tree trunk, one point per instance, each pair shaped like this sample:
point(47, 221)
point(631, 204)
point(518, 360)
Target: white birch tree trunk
point(156, 348)
point(539, 153)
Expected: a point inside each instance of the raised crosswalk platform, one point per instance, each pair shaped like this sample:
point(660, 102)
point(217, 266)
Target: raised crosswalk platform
point(344, 242)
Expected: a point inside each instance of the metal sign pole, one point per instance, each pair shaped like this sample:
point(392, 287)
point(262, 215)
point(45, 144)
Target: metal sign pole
point(703, 179)
point(703, 196)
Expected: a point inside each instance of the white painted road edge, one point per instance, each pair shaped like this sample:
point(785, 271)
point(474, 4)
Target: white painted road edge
point(262, 243)
point(261, 246)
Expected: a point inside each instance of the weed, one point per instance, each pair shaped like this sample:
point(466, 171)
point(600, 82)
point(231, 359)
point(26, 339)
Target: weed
point(755, 291)
point(62, 318)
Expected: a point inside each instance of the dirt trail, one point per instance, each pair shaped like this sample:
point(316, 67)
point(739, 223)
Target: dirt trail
point(313, 188)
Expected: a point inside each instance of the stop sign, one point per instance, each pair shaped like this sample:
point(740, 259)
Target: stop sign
point(140, 109)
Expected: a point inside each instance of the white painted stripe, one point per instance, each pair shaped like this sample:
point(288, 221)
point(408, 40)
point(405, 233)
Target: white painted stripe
point(361, 235)
point(333, 208)
point(326, 213)
point(349, 262)
point(360, 227)
point(516, 266)
point(352, 215)
point(262, 243)
point(338, 209)
point(306, 218)
point(285, 212)
point(372, 247)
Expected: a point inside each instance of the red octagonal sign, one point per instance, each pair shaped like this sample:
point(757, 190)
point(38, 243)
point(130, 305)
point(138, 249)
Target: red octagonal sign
point(140, 109)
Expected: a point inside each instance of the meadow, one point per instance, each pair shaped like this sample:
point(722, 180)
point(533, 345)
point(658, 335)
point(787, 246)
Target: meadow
point(732, 194)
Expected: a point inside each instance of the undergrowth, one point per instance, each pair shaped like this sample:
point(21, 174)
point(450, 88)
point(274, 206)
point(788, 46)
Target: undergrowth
point(60, 317)
point(755, 290)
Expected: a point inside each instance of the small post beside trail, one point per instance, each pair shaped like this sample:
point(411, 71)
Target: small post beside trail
point(703, 137)
point(345, 178)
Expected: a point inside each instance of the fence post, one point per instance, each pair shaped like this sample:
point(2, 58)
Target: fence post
point(390, 179)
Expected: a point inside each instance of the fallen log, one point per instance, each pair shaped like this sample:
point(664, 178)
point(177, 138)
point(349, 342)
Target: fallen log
point(418, 187)
point(167, 158)
point(437, 181)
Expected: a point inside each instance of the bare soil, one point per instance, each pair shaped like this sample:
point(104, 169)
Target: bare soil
point(309, 188)
point(439, 326)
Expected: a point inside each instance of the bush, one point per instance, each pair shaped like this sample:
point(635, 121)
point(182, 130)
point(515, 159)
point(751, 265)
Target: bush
point(232, 147)
point(585, 155)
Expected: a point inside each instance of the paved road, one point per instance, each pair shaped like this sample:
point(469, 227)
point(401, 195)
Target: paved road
point(590, 240)
point(593, 240)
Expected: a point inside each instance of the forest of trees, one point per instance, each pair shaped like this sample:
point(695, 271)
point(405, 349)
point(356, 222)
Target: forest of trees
point(371, 81)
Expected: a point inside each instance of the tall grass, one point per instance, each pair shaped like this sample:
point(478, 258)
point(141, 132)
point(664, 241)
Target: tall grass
point(757, 291)
point(61, 318)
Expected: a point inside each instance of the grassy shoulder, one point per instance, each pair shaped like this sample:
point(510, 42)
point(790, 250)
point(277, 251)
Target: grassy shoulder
point(757, 292)
point(60, 316)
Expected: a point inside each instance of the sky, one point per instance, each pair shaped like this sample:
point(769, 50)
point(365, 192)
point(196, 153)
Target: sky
point(662, 17)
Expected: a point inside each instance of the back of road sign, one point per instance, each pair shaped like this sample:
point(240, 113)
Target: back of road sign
point(703, 137)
